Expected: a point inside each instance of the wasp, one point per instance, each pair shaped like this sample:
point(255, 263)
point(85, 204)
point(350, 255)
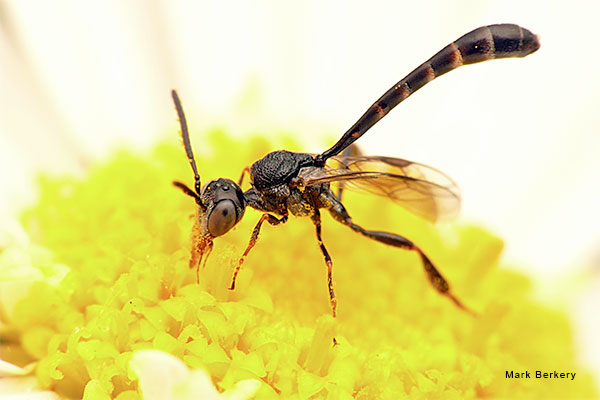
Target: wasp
point(302, 184)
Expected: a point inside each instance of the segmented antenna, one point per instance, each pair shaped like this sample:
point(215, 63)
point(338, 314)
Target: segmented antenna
point(186, 140)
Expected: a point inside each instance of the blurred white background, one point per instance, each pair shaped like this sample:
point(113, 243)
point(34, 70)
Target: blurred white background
point(520, 136)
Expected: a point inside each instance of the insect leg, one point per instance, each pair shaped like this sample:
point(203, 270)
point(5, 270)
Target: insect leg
point(265, 217)
point(316, 218)
point(244, 171)
point(352, 151)
point(437, 280)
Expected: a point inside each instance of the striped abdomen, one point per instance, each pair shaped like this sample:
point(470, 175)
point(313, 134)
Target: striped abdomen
point(485, 43)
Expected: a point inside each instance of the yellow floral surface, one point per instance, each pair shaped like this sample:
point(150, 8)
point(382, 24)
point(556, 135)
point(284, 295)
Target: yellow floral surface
point(108, 276)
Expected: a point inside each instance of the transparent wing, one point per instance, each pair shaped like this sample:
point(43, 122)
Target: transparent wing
point(420, 189)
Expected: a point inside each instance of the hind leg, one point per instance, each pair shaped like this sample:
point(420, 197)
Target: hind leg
point(437, 280)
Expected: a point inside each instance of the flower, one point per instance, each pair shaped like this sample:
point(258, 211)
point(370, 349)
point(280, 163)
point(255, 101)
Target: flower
point(107, 285)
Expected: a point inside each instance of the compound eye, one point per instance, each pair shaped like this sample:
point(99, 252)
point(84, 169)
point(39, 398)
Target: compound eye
point(222, 218)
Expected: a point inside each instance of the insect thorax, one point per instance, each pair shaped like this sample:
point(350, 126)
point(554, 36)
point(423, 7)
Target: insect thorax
point(278, 168)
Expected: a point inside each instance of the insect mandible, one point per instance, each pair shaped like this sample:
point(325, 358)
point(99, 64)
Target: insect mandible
point(284, 182)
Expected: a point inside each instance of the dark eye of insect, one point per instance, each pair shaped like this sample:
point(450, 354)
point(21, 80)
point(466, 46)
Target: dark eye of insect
point(222, 218)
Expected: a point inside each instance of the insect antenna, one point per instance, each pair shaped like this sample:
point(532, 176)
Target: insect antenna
point(185, 189)
point(188, 151)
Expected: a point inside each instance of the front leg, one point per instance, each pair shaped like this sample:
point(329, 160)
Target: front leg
point(245, 171)
point(265, 217)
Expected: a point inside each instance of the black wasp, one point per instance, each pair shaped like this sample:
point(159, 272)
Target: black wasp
point(284, 182)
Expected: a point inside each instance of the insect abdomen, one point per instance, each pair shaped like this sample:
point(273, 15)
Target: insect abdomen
point(485, 43)
point(481, 44)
